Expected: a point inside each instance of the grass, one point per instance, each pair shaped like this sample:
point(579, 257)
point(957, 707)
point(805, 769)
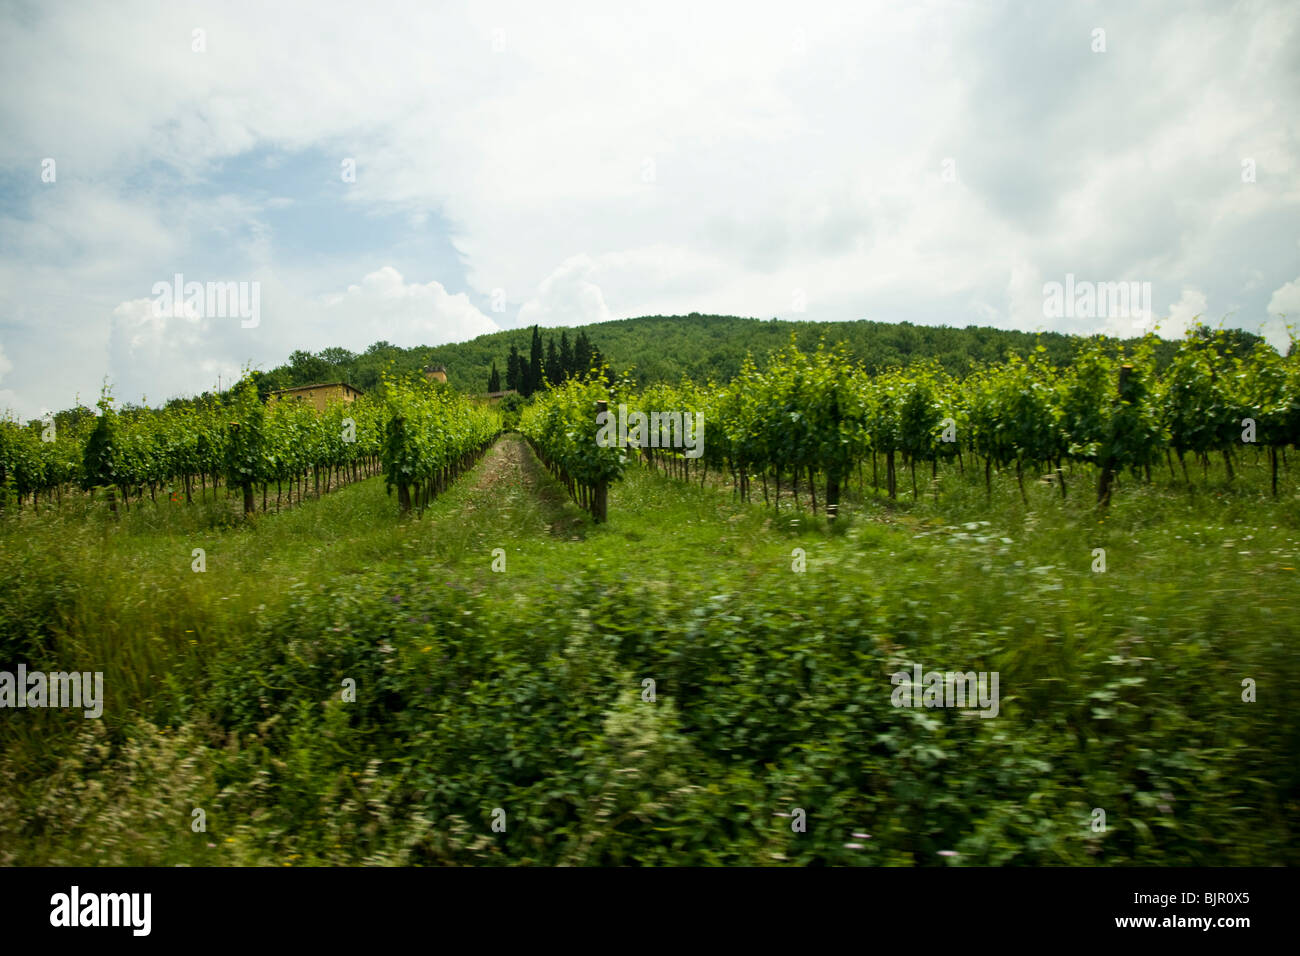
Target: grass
point(524, 689)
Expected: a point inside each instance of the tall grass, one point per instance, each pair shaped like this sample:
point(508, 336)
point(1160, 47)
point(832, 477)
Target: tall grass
point(1121, 690)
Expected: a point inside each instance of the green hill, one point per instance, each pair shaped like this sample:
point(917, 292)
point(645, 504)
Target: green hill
point(659, 348)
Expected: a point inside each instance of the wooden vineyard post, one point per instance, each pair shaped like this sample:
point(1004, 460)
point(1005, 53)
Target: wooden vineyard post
point(600, 494)
point(1108, 466)
point(247, 486)
point(403, 489)
point(833, 470)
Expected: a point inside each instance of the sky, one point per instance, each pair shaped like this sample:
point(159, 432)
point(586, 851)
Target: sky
point(424, 173)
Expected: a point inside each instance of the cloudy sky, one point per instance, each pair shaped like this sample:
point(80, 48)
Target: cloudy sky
point(425, 173)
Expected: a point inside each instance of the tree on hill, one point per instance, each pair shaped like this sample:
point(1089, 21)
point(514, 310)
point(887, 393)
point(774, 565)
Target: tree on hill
point(533, 379)
point(514, 376)
point(307, 369)
point(554, 371)
point(566, 357)
point(341, 361)
point(581, 354)
point(494, 380)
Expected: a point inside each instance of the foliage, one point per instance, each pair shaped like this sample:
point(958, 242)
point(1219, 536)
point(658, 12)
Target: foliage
point(430, 435)
point(561, 424)
point(524, 691)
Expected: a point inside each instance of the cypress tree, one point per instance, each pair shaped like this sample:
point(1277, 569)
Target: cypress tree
point(533, 377)
point(554, 373)
point(512, 371)
point(494, 380)
point(581, 355)
point(566, 357)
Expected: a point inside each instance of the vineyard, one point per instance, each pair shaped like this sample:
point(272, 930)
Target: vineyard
point(656, 651)
point(812, 423)
point(806, 423)
point(561, 428)
point(430, 438)
point(419, 437)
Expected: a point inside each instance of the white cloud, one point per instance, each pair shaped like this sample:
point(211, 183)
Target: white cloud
point(566, 297)
point(173, 353)
point(384, 306)
point(9, 401)
point(1283, 311)
point(185, 354)
point(792, 149)
point(1190, 308)
point(1286, 301)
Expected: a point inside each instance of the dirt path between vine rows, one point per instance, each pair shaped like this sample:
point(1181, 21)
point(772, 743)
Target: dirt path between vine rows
point(511, 479)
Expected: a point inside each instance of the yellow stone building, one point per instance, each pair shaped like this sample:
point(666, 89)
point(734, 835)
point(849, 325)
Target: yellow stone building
point(319, 395)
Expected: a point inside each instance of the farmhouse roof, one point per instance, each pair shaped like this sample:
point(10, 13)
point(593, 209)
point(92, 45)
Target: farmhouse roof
point(304, 388)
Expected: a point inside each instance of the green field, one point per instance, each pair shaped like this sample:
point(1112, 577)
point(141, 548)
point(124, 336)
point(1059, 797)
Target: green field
point(521, 690)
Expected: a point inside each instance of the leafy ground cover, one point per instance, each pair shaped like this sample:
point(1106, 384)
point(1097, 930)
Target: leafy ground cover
point(519, 695)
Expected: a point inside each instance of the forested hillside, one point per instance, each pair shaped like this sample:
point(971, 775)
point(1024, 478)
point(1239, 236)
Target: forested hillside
point(664, 348)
